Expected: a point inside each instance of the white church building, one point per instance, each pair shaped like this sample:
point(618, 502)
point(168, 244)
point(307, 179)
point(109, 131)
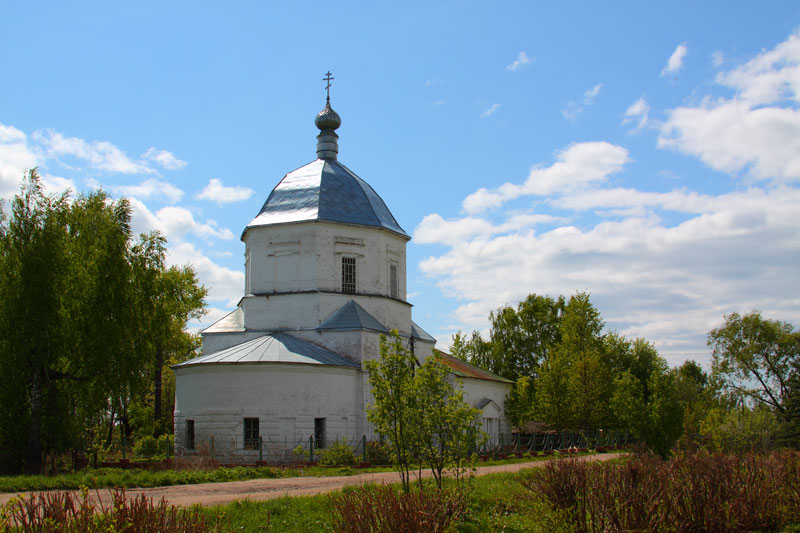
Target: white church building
point(325, 276)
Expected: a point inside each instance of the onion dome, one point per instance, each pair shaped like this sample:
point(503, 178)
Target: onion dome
point(328, 119)
point(327, 141)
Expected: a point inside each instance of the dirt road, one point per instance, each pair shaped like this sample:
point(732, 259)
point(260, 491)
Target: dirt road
point(210, 494)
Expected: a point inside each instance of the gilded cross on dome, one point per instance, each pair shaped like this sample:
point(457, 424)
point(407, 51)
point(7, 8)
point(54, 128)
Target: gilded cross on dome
point(328, 77)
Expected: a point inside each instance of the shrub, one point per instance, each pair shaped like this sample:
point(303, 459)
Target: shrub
point(52, 512)
point(383, 509)
point(337, 454)
point(699, 492)
point(378, 453)
point(166, 445)
point(146, 447)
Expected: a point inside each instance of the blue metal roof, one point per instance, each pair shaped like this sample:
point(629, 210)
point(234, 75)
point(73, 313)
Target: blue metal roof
point(352, 316)
point(420, 333)
point(232, 322)
point(273, 348)
point(325, 190)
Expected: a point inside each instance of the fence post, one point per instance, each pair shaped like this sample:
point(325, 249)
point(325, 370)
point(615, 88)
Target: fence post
point(311, 448)
point(364, 447)
point(260, 448)
point(502, 442)
point(124, 442)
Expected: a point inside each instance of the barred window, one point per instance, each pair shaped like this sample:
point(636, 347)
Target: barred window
point(393, 281)
point(319, 432)
point(251, 433)
point(349, 275)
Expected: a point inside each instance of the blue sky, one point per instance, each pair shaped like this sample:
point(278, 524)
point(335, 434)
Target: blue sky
point(647, 154)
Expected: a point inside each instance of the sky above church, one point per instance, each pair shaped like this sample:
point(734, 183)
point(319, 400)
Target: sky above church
point(645, 153)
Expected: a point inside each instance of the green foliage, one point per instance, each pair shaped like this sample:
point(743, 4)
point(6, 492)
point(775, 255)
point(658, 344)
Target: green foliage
point(664, 413)
point(740, 430)
point(552, 404)
point(378, 453)
point(628, 405)
point(754, 357)
point(520, 403)
point(422, 416)
point(146, 447)
point(338, 453)
point(393, 411)
point(76, 306)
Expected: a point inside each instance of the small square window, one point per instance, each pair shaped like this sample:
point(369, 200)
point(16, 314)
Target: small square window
point(251, 435)
point(190, 434)
point(349, 275)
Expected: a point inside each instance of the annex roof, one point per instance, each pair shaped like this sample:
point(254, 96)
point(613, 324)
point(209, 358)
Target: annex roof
point(352, 316)
point(326, 190)
point(466, 370)
point(272, 348)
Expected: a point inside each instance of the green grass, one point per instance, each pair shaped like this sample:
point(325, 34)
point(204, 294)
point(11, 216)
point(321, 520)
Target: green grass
point(497, 502)
point(98, 478)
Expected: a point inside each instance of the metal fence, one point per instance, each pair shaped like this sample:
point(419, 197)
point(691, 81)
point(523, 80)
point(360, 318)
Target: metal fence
point(266, 450)
point(541, 442)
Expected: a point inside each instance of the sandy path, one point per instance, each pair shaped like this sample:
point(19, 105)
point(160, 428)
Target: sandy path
point(209, 494)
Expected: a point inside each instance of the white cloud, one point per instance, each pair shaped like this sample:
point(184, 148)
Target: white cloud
point(435, 229)
point(770, 77)
point(151, 188)
point(639, 111)
point(665, 265)
point(670, 283)
point(164, 158)
point(15, 157)
point(437, 103)
point(717, 58)
point(522, 60)
point(175, 223)
point(574, 109)
point(675, 61)
point(757, 130)
point(577, 166)
point(490, 110)
point(590, 94)
point(56, 185)
point(216, 192)
point(101, 155)
point(224, 284)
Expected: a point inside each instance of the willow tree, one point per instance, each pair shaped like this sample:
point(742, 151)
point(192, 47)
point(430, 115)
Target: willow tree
point(71, 329)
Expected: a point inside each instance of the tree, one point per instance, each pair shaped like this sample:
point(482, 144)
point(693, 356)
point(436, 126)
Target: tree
point(65, 312)
point(790, 428)
point(552, 404)
point(589, 378)
point(754, 357)
point(664, 413)
point(393, 409)
point(519, 339)
point(522, 338)
point(71, 326)
point(423, 416)
point(448, 427)
point(520, 403)
point(628, 405)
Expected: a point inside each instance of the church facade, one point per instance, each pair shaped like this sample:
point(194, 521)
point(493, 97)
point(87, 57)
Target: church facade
point(325, 276)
